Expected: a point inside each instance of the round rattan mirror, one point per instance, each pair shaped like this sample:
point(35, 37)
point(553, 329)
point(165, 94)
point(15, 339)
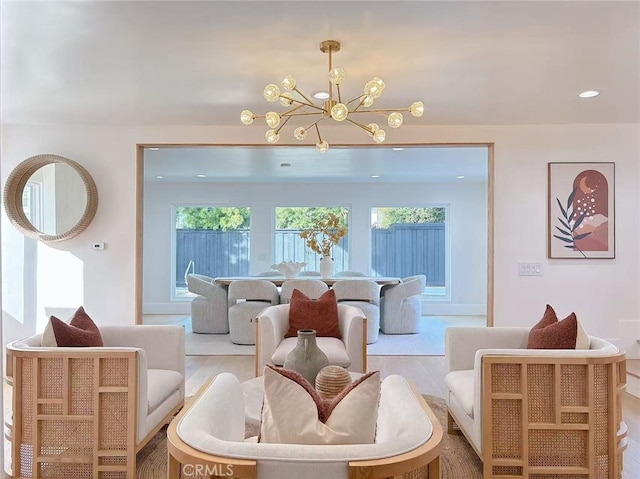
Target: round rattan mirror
point(50, 198)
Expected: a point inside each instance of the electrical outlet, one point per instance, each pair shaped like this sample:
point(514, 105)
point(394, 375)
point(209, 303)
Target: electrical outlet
point(99, 246)
point(530, 269)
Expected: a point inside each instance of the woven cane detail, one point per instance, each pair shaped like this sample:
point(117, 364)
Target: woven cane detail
point(540, 393)
point(505, 378)
point(507, 427)
point(574, 384)
point(82, 385)
point(548, 448)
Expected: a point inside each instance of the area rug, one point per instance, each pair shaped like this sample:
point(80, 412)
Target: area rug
point(428, 342)
point(458, 460)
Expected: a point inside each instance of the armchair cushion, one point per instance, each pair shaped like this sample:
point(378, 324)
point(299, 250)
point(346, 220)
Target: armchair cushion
point(81, 331)
point(162, 383)
point(332, 347)
point(320, 314)
point(293, 413)
point(460, 383)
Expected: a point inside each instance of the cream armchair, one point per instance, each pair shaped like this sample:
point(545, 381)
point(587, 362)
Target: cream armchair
point(400, 307)
point(96, 407)
point(349, 352)
point(536, 412)
point(210, 309)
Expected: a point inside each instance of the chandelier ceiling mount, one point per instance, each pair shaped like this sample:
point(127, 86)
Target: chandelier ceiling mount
point(333, 108)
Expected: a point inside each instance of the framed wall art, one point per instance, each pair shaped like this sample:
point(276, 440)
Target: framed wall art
point(581, 210)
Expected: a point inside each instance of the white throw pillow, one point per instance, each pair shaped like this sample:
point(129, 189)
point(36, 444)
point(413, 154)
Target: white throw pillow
point(293, 412)
point(582, 338)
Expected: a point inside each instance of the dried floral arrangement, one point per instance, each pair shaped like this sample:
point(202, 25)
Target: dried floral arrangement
point(325, 235)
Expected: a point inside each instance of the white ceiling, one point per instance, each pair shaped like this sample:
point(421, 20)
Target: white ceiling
point(203, 62)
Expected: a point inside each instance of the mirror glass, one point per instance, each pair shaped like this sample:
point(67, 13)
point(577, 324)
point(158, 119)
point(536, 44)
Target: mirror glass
point(54, 198)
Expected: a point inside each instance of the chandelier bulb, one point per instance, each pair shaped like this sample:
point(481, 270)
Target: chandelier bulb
point(417, 108)
point(373, 127)
point(336, 76)
point(286, 99)
point(272, 136)
point(271, 92)
point(272, 119)
point(247, 117)
point(322, 146)
point(289, 83)
point(379, 136)
point(395, 119)
point(339, 112)
point(300, 133)
point(367, 101)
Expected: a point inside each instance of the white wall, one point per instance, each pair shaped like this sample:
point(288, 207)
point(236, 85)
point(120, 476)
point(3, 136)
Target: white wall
point(602, 292)
point(467, 222)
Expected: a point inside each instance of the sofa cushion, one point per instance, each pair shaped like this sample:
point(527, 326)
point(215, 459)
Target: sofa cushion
point(81, 331)
point(161, 383)
point(320, 314)
point(294, 413)
point(460, 383)
point(332, 347)
point(549, 333)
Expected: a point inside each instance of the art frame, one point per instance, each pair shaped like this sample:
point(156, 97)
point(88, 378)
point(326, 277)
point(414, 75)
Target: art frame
point(581, 210)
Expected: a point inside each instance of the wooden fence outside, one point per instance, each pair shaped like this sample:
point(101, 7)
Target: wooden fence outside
point(402, 250)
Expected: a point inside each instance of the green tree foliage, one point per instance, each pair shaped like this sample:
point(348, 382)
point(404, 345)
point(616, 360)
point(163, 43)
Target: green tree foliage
point(389, 216)
point(298, 218)
point(213, 218)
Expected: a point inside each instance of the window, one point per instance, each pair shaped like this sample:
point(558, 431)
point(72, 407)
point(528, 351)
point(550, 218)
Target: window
point(290, 221)
point(32, 203)
point(210, 240)
point(406, 241)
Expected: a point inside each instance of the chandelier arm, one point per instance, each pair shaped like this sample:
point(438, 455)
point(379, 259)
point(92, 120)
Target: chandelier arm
point(339, 96)
point(364, 127)
point(359, 97)
point(358, 105)
point(289, 112)
point(378, 110)
point(306, 113)
point(330, 86)
point(309, 102)
point(315, 123)
point(284, 122)
point(318, 131)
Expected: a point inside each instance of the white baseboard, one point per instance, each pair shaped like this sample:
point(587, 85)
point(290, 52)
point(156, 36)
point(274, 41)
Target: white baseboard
point(167, 308)
point(430, 308)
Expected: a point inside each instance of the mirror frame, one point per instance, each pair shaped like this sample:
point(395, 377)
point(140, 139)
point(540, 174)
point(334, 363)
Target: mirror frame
point(13, 190)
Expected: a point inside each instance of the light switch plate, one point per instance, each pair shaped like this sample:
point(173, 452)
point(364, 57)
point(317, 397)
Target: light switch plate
point(530, 269)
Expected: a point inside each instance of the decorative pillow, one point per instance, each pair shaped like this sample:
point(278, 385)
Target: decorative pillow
point(320, 314)
point(294, 413)
point(550, 333)
point(80, 332)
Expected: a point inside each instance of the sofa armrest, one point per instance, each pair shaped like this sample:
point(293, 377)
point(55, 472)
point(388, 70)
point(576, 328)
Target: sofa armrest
point(163, 345)
point(353, 329)
point(273, 324)
point(461, 343)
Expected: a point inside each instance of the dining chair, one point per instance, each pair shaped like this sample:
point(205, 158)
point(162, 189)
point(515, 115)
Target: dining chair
point(247, 297)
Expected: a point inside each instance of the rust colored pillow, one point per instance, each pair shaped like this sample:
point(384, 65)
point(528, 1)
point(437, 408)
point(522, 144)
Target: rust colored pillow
point(550, 333)
point(320, 314)
point(80, 332)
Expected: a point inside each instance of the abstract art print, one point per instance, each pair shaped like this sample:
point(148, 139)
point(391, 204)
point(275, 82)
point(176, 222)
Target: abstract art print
point(581, 210)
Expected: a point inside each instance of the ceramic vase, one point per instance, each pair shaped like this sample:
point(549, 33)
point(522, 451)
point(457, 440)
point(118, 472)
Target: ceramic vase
point(326, 267)
point(306, 358)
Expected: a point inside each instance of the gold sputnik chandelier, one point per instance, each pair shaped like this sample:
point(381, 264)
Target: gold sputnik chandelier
point(333, 107)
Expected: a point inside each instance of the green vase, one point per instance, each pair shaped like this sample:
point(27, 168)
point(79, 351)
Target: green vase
point(307, 359)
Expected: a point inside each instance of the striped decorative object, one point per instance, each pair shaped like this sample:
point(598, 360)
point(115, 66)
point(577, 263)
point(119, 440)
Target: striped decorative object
point(331, 380)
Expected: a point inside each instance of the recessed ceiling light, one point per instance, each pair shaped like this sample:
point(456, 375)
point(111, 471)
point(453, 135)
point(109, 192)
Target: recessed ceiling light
point(589, 94)
point(285, 165)
point(320, 95)
point(375, 176)
point(200, 175)
point(397, 149)
point(154, 149)
point(159, 177)
point(460, 177)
